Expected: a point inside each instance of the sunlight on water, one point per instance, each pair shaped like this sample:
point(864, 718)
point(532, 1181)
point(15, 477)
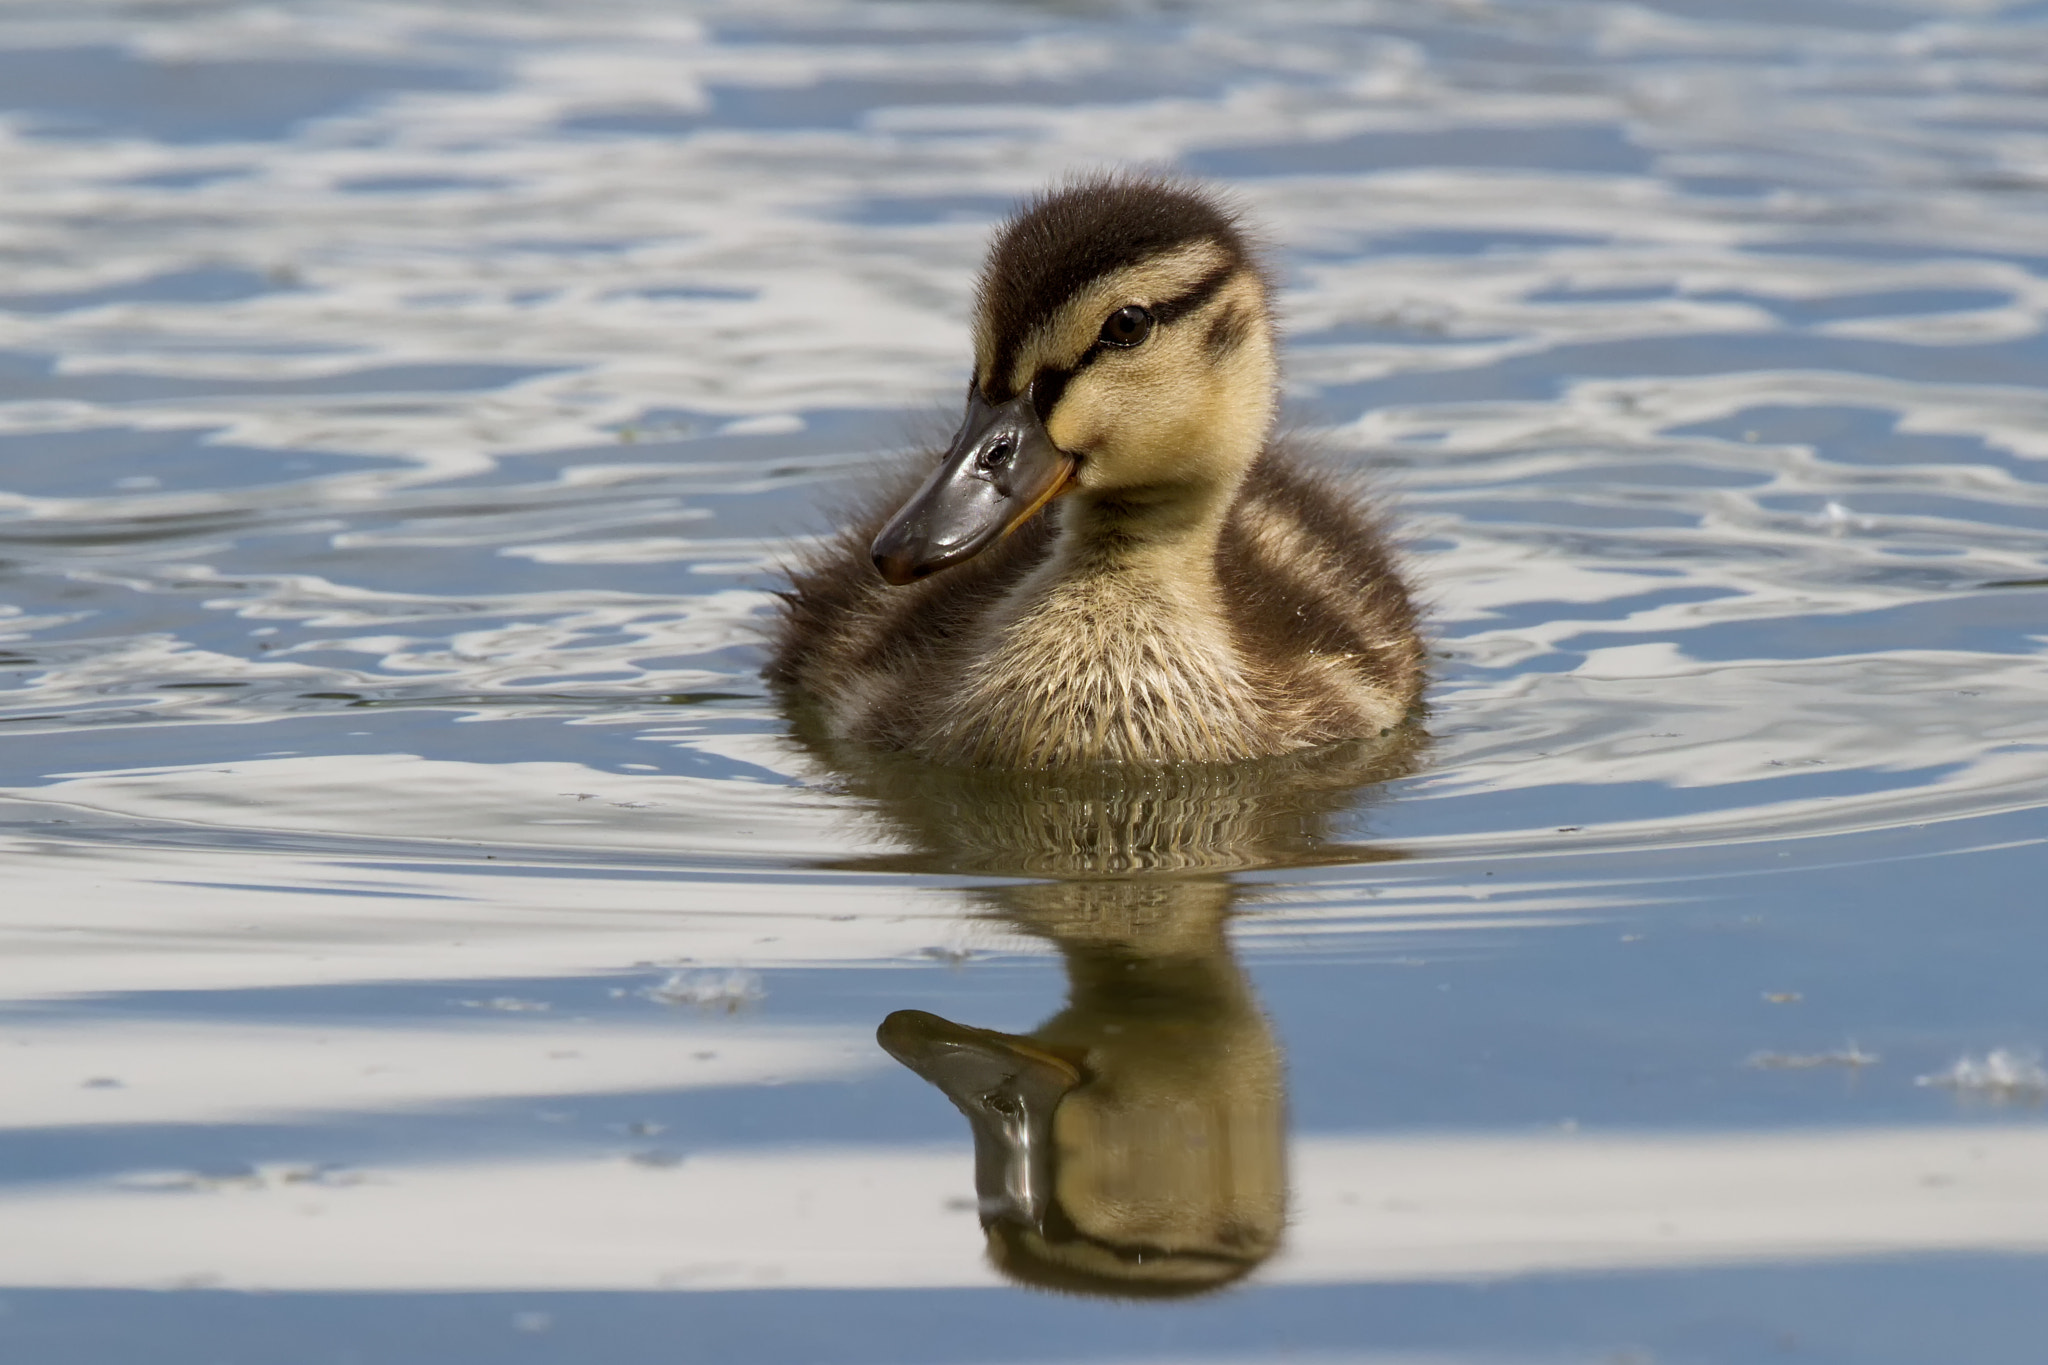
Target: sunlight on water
point(404, 408)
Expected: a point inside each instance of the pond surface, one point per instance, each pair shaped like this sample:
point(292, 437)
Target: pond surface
point(426, 940)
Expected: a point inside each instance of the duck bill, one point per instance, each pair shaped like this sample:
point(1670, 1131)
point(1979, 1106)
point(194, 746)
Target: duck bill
point(1008, 1088)
point(1000, 470)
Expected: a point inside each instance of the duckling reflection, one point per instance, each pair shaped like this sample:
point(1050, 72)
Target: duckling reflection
point(1134, 1144)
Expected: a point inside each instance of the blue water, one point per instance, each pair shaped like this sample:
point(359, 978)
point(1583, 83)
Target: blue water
point(427, 939)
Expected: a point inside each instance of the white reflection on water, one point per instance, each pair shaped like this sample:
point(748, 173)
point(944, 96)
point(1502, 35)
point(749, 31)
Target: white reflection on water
point(1372, 1210)
point(177, 1071)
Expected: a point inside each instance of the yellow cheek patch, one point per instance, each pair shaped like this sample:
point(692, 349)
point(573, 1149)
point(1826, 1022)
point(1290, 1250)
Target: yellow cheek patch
point(1179, 409)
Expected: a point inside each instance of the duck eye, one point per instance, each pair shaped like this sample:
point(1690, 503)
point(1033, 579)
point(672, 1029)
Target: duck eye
point(1127, 326)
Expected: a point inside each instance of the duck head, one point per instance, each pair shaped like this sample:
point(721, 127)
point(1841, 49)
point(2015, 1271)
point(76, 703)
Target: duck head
point(1123, 354)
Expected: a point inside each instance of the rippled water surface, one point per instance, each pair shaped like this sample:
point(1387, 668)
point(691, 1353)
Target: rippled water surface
point(426, 940)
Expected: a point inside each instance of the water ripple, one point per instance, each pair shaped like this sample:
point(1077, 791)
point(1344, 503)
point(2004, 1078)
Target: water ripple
point(404, 408)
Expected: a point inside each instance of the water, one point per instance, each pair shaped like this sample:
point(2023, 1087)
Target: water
point(427, 940)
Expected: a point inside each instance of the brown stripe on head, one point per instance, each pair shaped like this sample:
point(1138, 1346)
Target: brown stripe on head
point(1228, 330)
point(1069, 238)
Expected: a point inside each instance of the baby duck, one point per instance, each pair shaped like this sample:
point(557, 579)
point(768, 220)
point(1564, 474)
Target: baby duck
point(1135, 569)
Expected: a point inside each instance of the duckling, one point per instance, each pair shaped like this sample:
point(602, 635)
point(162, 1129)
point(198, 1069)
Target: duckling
point(1114, 560)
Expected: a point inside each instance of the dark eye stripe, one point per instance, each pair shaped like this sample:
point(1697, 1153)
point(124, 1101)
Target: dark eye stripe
point(1049, 383)
point(1204, 289)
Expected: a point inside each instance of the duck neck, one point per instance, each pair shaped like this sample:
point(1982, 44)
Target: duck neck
point(1167, 533)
